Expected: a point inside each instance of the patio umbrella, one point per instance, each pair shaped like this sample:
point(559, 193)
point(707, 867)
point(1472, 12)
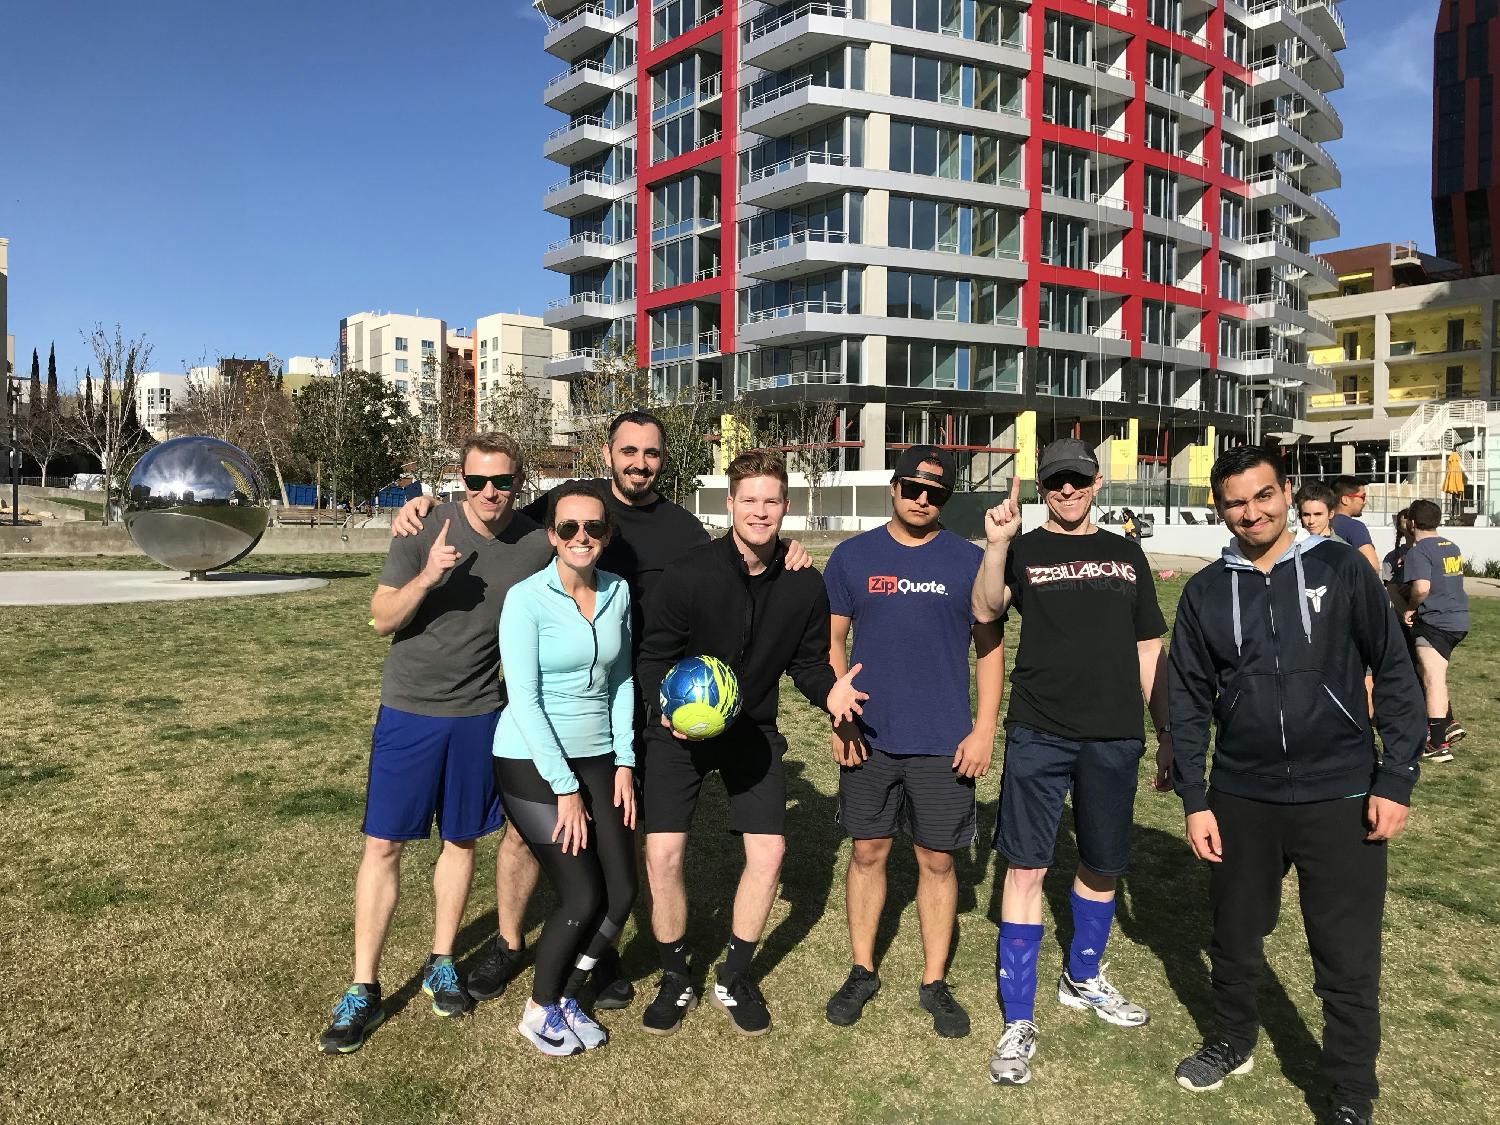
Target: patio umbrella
point(1453, 483)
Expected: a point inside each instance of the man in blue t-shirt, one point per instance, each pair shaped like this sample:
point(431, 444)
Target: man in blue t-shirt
point(1346, 523)
point(910, 760)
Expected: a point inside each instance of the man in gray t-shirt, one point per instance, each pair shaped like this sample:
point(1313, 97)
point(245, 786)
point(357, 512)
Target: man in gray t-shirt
point(1438, 616)
point(440, 595)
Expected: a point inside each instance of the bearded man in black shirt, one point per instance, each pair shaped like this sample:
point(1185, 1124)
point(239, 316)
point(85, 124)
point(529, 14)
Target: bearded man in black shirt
point(1090, 649)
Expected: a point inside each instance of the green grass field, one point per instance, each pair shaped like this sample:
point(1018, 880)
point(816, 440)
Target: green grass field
point(181, 788)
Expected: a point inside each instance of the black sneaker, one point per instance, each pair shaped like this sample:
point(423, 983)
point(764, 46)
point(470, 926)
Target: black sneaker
point(441, 984)
point(611, 990)
point(675, 998)
point(1437, 752)
point(357, 1013)
point(847, 1004)
point(496, 969)
point(1345, 1114)
point(1207, 1067)
point(1455, 733)
point(948, 1016)
point(739, 996)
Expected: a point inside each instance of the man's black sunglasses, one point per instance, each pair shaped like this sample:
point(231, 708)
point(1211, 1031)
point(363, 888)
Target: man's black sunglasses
point(1079, 481)
point(937, 495)
point(503, 482)
point(567, 529)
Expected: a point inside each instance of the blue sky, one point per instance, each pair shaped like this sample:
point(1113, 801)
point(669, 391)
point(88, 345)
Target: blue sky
point(232, 178)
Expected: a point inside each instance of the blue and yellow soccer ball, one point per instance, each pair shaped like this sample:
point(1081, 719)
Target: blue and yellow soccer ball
point(700, 696)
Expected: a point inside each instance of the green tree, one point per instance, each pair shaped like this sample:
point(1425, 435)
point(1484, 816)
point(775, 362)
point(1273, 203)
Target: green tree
point(523, 409)
point(41, 433)
point(357, 428)
point(52, 403)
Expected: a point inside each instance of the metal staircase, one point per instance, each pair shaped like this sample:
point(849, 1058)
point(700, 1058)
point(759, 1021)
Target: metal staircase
point(1438, 428)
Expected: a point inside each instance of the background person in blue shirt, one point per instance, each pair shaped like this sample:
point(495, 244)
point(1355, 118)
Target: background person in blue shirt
point(1437, 613)
point(910, 760)
point(1346, 522)
point(564, 759)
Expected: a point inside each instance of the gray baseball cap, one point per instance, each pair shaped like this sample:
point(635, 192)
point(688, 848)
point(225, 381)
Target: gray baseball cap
point(1068, 455)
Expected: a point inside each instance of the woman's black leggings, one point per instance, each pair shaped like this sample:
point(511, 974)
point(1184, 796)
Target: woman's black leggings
point(595, 889)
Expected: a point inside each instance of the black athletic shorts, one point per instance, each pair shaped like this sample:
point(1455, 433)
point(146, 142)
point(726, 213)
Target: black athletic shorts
point(919, 794)
point(747, 757)
point(1440, 641)
point(1040, 770)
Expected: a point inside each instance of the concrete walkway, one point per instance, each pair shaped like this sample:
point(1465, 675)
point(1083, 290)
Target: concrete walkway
point(99, 587)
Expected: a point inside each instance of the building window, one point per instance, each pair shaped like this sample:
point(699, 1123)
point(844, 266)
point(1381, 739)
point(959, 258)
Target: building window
point(1232, 158)
point(1069, 39)
point(1231, 216)
point(1063, 309)
point(1161, 193)
point(400, 343)
point(1159, 259)
point(428, 347)
point(1154, 323)
point(401, 367)
point(1065, 242)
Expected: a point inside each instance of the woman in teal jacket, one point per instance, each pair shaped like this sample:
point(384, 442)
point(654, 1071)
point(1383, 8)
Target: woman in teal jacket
point(564, 760)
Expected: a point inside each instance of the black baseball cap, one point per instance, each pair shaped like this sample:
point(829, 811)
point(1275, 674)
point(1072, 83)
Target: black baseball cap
point(1068, 455)
point(909, 465)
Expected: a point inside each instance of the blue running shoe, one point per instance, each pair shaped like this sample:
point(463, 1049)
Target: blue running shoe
point(441, 984)
point(579, 1022)
point(547, 1030)
point(357, 1013)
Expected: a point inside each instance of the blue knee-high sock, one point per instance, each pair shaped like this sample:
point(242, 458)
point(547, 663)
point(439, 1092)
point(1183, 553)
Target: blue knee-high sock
point(1015, 968)
point(1091, 922)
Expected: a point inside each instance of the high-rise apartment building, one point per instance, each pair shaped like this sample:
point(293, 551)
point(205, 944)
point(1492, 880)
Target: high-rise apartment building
point(979, 223)
point(1465, 189)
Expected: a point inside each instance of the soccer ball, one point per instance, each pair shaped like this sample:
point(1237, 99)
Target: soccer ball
point(700, 697)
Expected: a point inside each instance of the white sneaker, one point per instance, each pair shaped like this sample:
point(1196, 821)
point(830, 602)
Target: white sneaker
point(548, 1031)
point(1010, 1065)
point(1102, 998)
point(589, 1033)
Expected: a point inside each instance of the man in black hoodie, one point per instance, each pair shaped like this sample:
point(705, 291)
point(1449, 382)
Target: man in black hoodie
point(1271, 642)
point(733, 599)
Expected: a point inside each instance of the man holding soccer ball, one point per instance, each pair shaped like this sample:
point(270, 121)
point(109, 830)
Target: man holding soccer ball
point(735, 600)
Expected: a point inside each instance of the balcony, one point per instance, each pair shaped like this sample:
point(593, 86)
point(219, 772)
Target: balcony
point(792, 255)
point(583, 192)
point(1322, 18)
point(583, 83)
point(584, 137)
point(585, 251)
point(586, 28)
point(806, 32)
point(1321, 275)
point(579, 361)
point(794, 323)
point(1317, 222)
point(1339, 400)
point(807, 175)
point(791, 108)
point(579, 310)
point(1313, 329)
point(1281, 367)
point(797, 379)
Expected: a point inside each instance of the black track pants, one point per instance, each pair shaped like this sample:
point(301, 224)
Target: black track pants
point(595, 888)
point(1341, 881)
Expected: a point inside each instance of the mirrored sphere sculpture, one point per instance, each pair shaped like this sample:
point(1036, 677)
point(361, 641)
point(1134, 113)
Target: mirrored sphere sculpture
point(196, 504)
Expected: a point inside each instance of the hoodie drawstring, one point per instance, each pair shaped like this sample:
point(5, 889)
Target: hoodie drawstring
point(1234, 595)
point(1302, 598)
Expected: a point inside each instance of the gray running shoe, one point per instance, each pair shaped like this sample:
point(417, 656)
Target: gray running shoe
point(1010, 1065)
point(1101, 998)
point(1207, 1067)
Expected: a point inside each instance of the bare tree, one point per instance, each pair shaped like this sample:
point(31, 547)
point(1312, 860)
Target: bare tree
point(445, 417)
point(617, 384)
point(107, 426)
point(523, 409)
point(213, 404)
point(808, 437)
point(43, 433)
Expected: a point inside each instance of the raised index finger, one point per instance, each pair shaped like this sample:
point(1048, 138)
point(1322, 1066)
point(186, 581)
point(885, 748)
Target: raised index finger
point(1015, 488)
point(442, 536)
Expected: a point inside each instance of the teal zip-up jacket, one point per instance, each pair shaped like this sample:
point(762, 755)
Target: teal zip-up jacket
point(568, 678)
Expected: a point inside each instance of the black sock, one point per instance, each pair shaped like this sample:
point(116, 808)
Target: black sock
point(574, 983)
point(1450, 712)
point(1437, 730)
point(372, 987)
point(737, 957)
point(674, 956)
point(607, 967)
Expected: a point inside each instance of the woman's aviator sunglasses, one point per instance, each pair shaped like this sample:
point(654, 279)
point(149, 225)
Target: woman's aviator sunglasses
point(567, 529)
point(503, 482)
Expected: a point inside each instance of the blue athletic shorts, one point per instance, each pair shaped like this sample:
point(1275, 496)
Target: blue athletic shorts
point(426, 767)
point(1040, 771)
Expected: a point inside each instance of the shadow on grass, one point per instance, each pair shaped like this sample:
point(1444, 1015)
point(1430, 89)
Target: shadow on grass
point(1163, 905)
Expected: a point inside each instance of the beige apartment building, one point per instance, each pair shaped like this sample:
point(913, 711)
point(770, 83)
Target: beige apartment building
point(510, 345)
point(402, 349)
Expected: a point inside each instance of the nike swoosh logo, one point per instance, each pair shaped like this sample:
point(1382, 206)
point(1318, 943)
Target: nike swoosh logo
point(549, 1040)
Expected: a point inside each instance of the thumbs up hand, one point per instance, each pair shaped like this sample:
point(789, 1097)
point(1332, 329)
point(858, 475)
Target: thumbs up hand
point(440, 559)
